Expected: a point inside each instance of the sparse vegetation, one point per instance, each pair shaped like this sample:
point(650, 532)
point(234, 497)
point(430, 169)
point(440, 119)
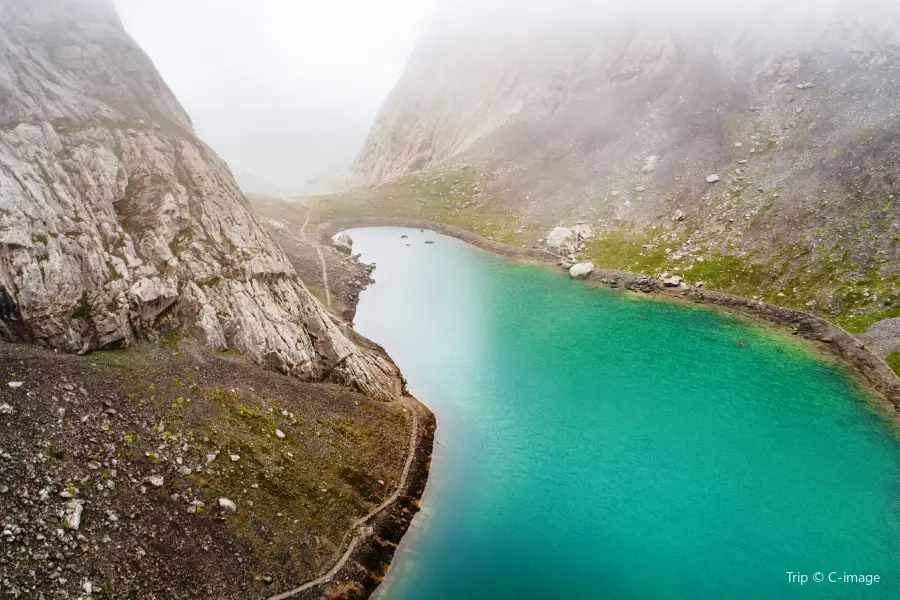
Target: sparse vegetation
point(893, 361)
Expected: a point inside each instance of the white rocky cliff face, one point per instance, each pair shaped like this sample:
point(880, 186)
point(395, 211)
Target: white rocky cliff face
point(115, 220)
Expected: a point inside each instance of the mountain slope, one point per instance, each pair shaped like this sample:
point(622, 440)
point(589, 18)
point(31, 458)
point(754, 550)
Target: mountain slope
point(116, 221)
point(618, 118)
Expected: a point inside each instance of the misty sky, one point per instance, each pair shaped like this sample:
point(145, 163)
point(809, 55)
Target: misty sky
point(257, 75)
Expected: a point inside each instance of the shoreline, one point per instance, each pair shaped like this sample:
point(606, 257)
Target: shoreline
point(872, 371)
point(374, 539)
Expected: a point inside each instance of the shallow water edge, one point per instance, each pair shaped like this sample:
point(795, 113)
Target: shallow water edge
point(869, 369)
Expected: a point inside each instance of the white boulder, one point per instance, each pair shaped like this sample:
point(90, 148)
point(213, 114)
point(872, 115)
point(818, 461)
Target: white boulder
point(563, 240)
point(227, 504)
point(73, 514)
point(712, 178)
point(674, 281)
point(583, 232)
point(344, 243)
point(581, 270)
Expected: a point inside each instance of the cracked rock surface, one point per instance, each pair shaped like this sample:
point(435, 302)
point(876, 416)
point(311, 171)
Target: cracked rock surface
point(116, 222)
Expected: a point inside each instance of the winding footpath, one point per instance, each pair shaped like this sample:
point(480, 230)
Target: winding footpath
point(321, 256)
point(358, 530)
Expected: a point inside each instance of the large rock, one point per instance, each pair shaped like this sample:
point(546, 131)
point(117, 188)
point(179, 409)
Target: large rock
point(562, 240)
point(116, 221)
point(583, 232)
point(344, 243)
point(581, 270)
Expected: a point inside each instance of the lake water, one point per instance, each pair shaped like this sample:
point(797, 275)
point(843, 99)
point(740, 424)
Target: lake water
point(593, 444)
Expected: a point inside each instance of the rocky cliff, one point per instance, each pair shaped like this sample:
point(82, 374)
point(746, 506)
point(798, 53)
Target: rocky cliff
point(753, 146)
point(117, 222)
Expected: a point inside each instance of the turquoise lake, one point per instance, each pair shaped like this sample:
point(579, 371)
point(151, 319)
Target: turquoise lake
point(593, 444)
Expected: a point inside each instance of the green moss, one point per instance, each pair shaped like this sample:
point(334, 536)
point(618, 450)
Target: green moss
point(736, 275)
point(171, 340)
point(450, 198)
point(893, 361)
point(84, 308)
point(211, 282)
point(624, 251)
point(54, 451)
point(860, 323)
point(113, 273)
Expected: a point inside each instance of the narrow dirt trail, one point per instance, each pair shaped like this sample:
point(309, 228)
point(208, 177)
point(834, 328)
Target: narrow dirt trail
point(321, 257)
point(358, 531)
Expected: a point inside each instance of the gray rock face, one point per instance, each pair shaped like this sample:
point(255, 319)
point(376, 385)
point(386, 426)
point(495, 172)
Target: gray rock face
point(116, 221)
point(884, 336)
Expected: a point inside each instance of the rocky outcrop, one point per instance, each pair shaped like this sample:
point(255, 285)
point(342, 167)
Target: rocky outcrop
point(116, 221)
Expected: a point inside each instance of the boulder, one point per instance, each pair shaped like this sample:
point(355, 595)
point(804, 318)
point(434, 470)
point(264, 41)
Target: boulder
point(674, 281)
point(581, 270)
point(583, 232)
point(678, 216)
point(563, 240)
point(344, 243)
point(712, 178)
point(74, 510)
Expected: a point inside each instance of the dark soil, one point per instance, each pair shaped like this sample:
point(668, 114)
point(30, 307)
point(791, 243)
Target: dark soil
point(142, 440)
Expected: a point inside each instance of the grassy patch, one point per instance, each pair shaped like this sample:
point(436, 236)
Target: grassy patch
point(449, 198)
point(861, 322)
point(735, 275)
point(625, 251)
point(893, 361)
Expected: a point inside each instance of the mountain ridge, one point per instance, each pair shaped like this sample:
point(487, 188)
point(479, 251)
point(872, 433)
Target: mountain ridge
point(619, 123)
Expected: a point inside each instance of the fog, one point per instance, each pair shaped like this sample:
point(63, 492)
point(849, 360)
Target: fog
point(285, 90)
